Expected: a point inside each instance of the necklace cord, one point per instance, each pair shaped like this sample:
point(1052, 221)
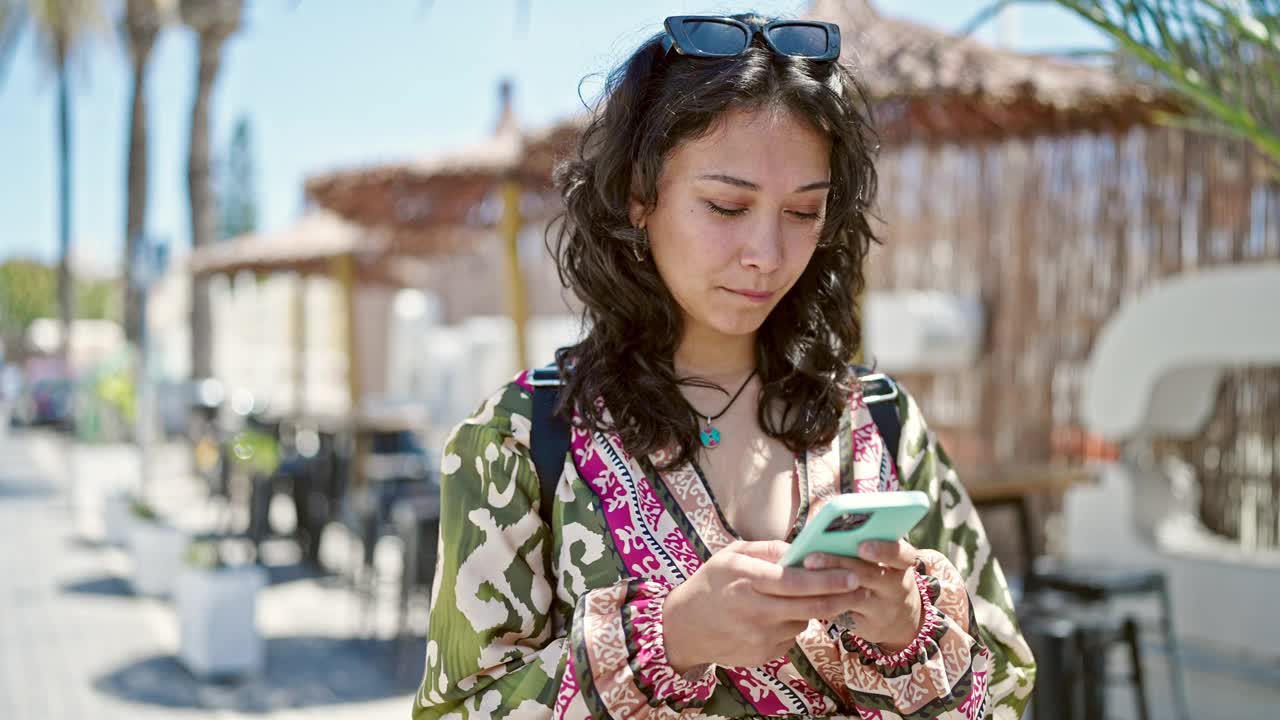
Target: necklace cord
point(732, 400)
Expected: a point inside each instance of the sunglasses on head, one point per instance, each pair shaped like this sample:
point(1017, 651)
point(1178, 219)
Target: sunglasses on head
point(719, 37)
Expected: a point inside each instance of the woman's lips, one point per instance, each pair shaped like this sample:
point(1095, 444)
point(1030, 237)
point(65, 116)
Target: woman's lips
point(755, 296)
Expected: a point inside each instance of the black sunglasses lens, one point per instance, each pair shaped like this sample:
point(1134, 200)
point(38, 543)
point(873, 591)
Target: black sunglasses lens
point(715, 38)
point(800, 40)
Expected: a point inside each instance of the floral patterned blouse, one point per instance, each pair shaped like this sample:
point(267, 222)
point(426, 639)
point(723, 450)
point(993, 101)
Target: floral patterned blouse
point(530, 621)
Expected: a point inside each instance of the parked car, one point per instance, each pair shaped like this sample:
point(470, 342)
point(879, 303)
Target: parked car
point(47, 402)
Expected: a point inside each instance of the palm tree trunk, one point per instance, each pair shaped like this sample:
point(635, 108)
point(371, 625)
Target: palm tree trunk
point(136, 182)
point(65, 294)
point(203, 219)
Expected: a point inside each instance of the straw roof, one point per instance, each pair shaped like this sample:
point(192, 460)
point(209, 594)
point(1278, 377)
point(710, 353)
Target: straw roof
point(925, 85)
point(932, 86)
point(455, 189)
point(409, 193)
point(310, 245)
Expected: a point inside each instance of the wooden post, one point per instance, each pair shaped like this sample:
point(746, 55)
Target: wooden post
point(344, 273)
point(510, 231)
point(299, 345)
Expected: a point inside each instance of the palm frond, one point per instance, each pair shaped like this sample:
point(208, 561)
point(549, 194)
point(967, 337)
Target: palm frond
point(1222, 55)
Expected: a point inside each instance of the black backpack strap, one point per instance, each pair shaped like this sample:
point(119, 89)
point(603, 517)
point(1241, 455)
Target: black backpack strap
point(549, 436)
point(880, 393)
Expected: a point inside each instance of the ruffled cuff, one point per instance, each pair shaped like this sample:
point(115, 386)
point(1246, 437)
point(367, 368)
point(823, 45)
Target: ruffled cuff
point(931, 620)
point(689, 689)
point(621, 633)
point(944, 658)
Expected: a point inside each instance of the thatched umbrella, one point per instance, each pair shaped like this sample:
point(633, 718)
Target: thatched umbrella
point(323, 244)
point(318, 240)
point(318, 244)
point(308, 247)
point(500, 183)
point(452, 189)
point(927, 85)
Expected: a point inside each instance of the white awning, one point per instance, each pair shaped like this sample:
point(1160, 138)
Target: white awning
point(921, 330)
point(1157, 363)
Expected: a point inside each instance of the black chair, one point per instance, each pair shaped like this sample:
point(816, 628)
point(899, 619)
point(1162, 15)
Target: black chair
point(317, 484)
point(395, 468)
point(417, 523)
point(262, 486)
point(1089, 589)
point(1071, 650)
point(1053, 642)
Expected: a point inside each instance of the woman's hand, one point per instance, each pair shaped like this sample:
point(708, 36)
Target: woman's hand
point(886, 609)
point(742, 609)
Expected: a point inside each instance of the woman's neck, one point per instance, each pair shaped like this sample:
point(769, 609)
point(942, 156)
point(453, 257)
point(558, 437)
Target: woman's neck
point(715, 356)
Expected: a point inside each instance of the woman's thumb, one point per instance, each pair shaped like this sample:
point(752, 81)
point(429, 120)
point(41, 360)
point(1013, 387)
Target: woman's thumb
point(770, 550)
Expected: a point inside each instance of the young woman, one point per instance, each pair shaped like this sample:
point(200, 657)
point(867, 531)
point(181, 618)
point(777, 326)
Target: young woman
point(715, 229)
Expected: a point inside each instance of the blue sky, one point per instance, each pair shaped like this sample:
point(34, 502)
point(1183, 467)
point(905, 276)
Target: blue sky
point(329, 84)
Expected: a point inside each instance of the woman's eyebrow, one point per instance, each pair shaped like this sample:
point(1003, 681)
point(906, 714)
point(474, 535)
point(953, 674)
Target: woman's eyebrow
point(821, 185)
point(739, 182)
point(731, 180)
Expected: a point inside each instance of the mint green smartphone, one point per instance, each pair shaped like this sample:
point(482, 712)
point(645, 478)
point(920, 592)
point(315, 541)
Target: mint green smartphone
point(846, 521)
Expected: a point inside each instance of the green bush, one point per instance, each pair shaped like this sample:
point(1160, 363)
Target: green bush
point(142, 510)
point(204, 555)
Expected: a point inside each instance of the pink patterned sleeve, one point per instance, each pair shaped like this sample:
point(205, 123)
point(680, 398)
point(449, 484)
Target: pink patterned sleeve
point(969, 659)
point(943, 673)
point(619, 661)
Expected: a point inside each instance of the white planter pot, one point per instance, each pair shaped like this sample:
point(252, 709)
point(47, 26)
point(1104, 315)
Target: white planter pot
point(117, 517)
point(98, 473)
point(86, 506)
point(217, 628)
point(156, 551)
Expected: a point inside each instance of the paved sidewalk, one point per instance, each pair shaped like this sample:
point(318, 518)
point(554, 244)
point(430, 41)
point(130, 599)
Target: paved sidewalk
point(75, 642)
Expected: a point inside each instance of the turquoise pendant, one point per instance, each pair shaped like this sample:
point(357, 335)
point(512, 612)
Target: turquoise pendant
point(710, 437)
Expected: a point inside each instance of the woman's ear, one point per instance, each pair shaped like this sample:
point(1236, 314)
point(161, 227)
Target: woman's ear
point(637, 212)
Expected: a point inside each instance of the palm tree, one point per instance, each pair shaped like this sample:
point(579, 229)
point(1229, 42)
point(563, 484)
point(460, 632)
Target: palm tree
point(62, 25)
point(1223, 56)
point(213, 21)
point(140, 25)
point(11, 18)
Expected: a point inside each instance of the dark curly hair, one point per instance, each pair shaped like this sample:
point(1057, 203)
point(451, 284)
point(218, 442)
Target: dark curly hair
point(651, 103)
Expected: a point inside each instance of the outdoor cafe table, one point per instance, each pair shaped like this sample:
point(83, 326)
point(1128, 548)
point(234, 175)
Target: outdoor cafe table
point(1002, 483)
point(1016, 485)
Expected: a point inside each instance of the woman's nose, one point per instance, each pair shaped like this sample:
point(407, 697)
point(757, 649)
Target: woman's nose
point(762, 248)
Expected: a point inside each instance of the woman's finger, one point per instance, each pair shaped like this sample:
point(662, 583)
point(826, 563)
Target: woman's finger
point(807, 608)
point(767, 550)
point(878, 577)
point(900, 554)
point(771, 578)
point(883, 580)
point(797, 582)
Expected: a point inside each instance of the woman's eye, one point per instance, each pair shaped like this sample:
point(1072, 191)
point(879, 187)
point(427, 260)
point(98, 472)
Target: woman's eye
point(727, 212)
point(804, 215)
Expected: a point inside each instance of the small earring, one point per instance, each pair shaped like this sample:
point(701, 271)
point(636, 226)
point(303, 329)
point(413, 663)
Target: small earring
point(635, 247)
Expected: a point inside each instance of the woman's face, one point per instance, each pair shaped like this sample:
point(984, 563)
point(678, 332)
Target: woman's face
point(737, 219)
